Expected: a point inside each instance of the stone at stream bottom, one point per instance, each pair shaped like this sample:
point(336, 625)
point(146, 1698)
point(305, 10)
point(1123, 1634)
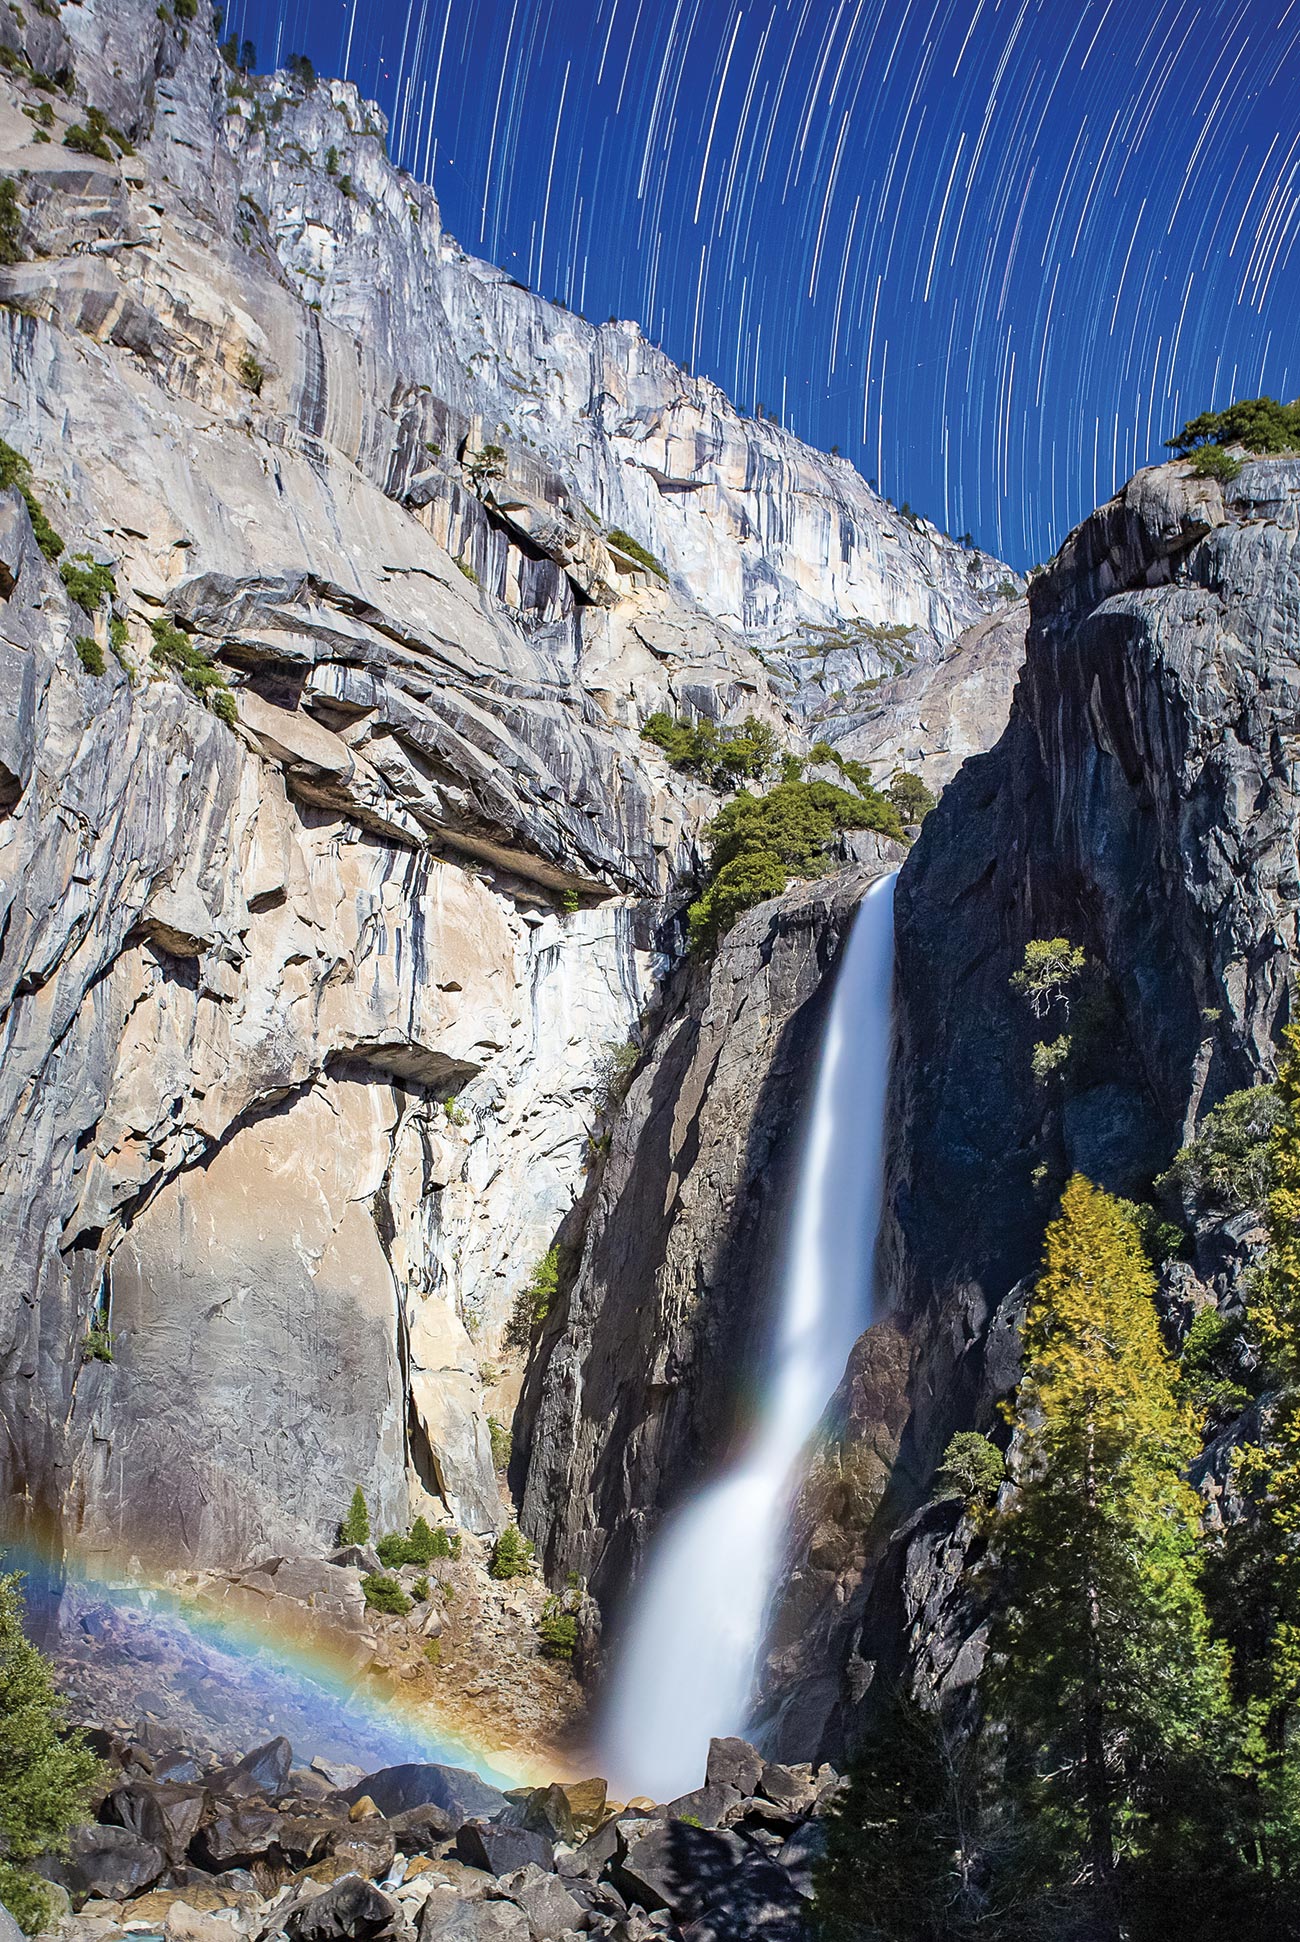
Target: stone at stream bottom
point(351, 1911)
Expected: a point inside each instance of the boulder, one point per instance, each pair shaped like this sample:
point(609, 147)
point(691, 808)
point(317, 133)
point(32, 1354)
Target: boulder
point(361, 1557)
point(264, 1771)
point(707, 1805)
point(9, 1929)
point(338, 1772)
point(587, 1801)
point(792, 1787)
point(593, 1856)
point(801, 1853)
point(445, 1920)
point(370, 1848)
point(503, 1849)
point(166, 1815)
point(757, 1903)
point(350, 1911)
point(456, 1790)
point(547, 1903)
point(421, 1828)
point(235, 1837)
point(676, 1866)
point(111, 1862)
point(734, 1763)
point(543, 1809)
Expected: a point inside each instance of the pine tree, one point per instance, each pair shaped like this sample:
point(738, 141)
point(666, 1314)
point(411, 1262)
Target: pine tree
point(355, 1528)
point(46, 1775)
point(1103, 1662)
point(901, 1856)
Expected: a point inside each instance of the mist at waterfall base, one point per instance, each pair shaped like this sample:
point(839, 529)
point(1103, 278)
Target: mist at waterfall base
point(686, 1668)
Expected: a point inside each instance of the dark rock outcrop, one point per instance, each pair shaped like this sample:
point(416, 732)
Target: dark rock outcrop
point(1142, 802)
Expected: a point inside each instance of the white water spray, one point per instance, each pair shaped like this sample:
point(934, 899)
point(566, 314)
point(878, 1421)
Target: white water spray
point(687, 1665)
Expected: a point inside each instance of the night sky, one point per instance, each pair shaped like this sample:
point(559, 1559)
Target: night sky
point(994, 250)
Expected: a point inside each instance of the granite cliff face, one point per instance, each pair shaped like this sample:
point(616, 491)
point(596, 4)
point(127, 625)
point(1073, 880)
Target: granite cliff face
point(1142, 803)
point(305, 1010)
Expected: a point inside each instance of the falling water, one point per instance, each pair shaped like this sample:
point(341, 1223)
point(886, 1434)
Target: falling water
point(687, 1665)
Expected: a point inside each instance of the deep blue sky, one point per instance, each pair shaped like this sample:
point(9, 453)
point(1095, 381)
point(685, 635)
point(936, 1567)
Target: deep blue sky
point(995, 250)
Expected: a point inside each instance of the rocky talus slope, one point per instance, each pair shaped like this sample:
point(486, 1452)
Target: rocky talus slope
point(199, 1848)
point(305, 1000)
point(1142, 802)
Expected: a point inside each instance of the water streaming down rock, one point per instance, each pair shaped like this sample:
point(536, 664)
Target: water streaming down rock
point(686, 1667)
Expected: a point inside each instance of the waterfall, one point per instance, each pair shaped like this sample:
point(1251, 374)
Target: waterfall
point(686, 1668)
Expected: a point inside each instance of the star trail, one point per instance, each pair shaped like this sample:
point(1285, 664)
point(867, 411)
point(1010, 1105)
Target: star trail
point(994, 251)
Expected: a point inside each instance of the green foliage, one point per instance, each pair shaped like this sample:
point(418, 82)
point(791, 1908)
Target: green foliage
point(569, 902)
point(557, 1629)
point(485, 465)
point(433, 1651)
point(1052, 966)
point(1260, 424)
point(384, 1595)
point(1207, 1368)
point(910, 797)
point(1050, 1057)
point(737, 887)
point(445, 1544)
point(613, 1075)
point(718, 755)
point(972, 1468)
point(1007, 590)
point(758, 842)
point(97, 136)
point(15, 471)
point(419, 1546)
point(512, 1555)
point(633, 550)
point(175, 650)
point(355, 1528)
point(252, 372)
point(302, 69)
point(1212, 462)
point(331, 160)
point(90, 654)
point(468, 571)
point(97, 1343)
point(47, 1775)
point(502, 1443)
point(1160, 1239)
point(1229, 1164)
point(89, 581)
point(420, 1591)
point(1104, 1668)
point(534, 1301)
point(11, 222)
